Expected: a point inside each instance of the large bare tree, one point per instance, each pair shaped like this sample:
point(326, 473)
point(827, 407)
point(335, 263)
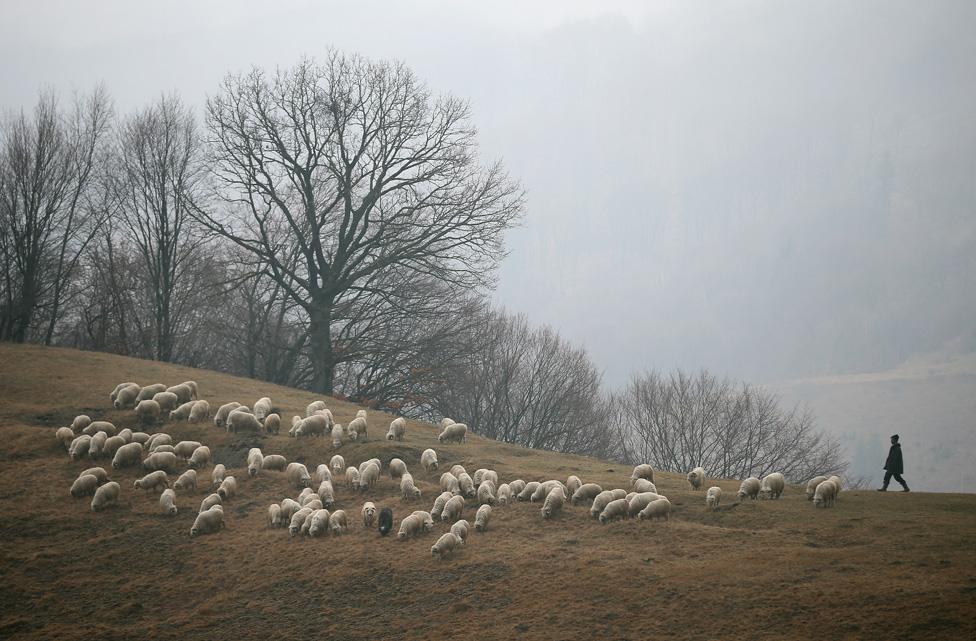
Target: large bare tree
point(357, 168)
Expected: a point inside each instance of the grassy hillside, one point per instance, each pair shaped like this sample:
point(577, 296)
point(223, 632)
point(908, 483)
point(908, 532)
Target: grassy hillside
point(879, 566)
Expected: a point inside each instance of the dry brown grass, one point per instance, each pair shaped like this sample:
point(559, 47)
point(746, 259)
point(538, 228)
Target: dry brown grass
point(888, 566)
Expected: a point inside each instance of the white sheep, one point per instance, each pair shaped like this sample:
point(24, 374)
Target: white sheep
point(167, 401)
point(428, 459)
point(148, 412)
point(65, 436)
point(825, 494)
point(242, 420)
point(427, 519)
point(643, 485)
point(482, 516)
point(194, 388)
point(358, 425)
point(158, 439)
point(338, 464)
point(407, 488)
point(410, 526)
point(573, 483)
point(96, 445)
point(713, 497)
point(812, 486)
point(314, 407)
point(119, 387)
point(84, 485)
point(527, 491)
point(112, 445)
point(327, 494)
point(439, 503)
point(446, 544)
point(184, 449)
point(398, 428)
point(152, 481)
point(228, 488)
point(298, 520)
point(255, 461)
point(220, 418)
point(182, 391)
point(544, 488)
point(182, 412)
point(616, 509)
point(164, 448)
point(772, 486)
point(128, 436)
point(554, 502)
point(288, 508)
point(272, 424)
point(446, 421)
point(100, 426)
point(504, 495)
point(352, 477)
point(397, 468)
point(491, 475)
point(186, 481)
point(126, 398)
point(80, 422)
point(453, 433)
point(337, 522)
point(167, 502)
point(486, 493)
point(275, 462)
point(659, 508)
point(199, 412)
point(313, 502)
point(837, 483)
point(368, 514)
point(642, 471)
point(586, 492)
point(208, 521)
point(262, 408)
point(98, 472)
point(460, 530)
point(368, 476)
point(200, 458)
point(165, 461)
point(449, 483)
point(749, 487)
point(149, 391)
point(638, 501)
point(105, 496)
point(127, 455)
point(322, 473)
point(217, 475)
point(297, 474)
point(696, 478)
point(457, 470)
point(336, 436)
point(466, 485)
point(274, 515)
point(517, 486)
point(452, 509)
point(319, 525)
point(478, 476)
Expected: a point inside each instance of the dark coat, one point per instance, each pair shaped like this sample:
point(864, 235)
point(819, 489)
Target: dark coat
point(894, 463)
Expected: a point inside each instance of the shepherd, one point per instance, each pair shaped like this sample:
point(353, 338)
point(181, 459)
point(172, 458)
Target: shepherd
point(894, 466)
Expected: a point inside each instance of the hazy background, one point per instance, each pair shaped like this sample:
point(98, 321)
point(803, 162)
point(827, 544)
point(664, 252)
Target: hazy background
point(781, 192)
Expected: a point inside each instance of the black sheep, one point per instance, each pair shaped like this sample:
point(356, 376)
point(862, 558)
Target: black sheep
point(386, 521)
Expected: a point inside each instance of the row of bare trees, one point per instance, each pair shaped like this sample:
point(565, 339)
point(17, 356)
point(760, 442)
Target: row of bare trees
point(330, 226)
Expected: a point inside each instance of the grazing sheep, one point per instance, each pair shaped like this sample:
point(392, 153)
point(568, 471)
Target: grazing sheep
point(275, 462)
point(127, 455)
point(466, 485)
point(554, 502)
point(772, 486)
point(112, 445)
point(194, 388)
point(184, 449)
point(80, 422)
point(128, 436)
point(183, 393)
point(65, 436)
point(352, 476)
point(410, 526)
point(482, 516)
point(659, 508)
point(164, 448)
point(336, 436)
point(446, 421)
point(148, 412)
point(272, 424)
point(369, 514)
point(638, 502)
point(749, 487)
point(84, 485)
point(314, 407)
point(96, 445)
point(337, 522)
point(452, 509)
point(453, 433)
point(100, 426)
point(397, 468)
point(357, 426)
point(200, 458)
point(217, 475)
point(167, 401)
point(837, 482)
point(158, 439)
point(368, 477)
point(241, 420)
point(398, 428)
point(149, 391)
point(297, 520)
point(118, 388)
point(825, 494)
point(407, 489)
point(460, 530)
point(385, 521)
point(167, 502)
point(517, 486)
point(208, 521)
point(586, 492)
point(457, 470)
point(182, 412)
point(713, 497)
point(313, 502)
point(439, 503)
point(152, 481)
point(210, 501)
point(319, 523)
point(486, 493)
point(262, 408)
point(478, 476)
point(297, 474)
point(527, 491)
point(186, 481)
point(228, 488)
point(643, 485)
point(220, 418)
point(696, 478)
point(614, 510)
point(642, 471)
point(199, 412)
point(504, 496)
point(274, 515)
point(288, 508)
point(449, 483)
point(323, 473)
point(544, 488)
point(255, 461)
point(126, 398)
point(812, 486)
point(105, 496)
point(445, 545)
point(79, 447)
point(327, 494)
point(427, 519)
point(165, 461)
point(98, 472)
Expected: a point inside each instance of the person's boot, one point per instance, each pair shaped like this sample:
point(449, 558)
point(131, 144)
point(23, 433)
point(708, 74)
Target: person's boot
point(882, 489)
point(905, 489)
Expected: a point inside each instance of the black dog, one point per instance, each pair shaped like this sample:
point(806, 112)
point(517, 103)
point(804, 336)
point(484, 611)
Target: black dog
point(386, 521)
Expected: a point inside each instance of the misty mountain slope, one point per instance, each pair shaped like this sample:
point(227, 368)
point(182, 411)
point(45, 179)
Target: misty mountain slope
point(929, 401)
point(776, 570)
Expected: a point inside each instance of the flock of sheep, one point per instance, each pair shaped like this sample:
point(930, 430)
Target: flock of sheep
point(314, 512)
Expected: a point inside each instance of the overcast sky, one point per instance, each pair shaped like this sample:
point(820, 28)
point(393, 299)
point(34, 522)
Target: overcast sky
point(771, 190)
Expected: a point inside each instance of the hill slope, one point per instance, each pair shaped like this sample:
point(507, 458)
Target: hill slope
point(876, 566)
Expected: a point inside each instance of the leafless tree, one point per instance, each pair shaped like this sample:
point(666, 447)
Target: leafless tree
point(679, 422)
point(48, 163)
point(354, 166)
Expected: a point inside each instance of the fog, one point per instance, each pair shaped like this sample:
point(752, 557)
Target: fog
point(770, 190)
